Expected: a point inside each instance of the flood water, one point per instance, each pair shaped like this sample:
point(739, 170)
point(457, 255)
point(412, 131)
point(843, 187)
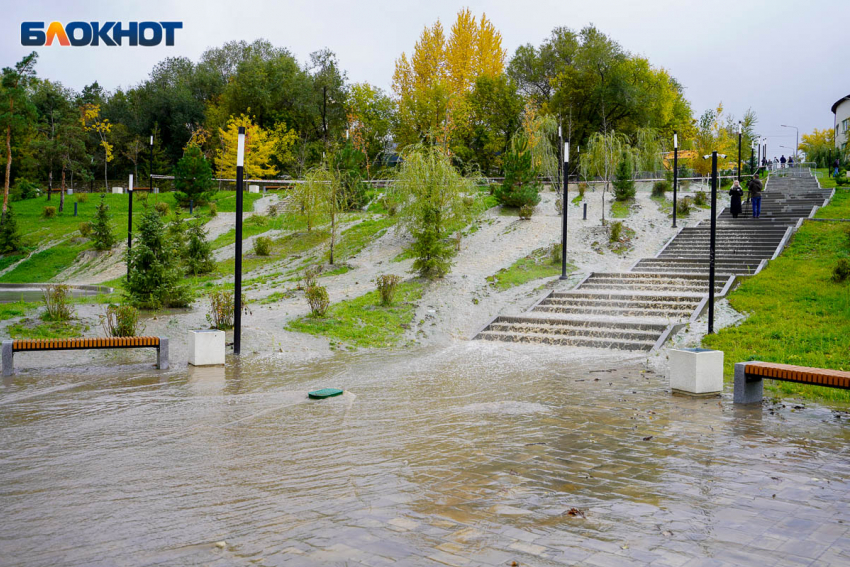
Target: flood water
point(476, 454)
point(11, 295)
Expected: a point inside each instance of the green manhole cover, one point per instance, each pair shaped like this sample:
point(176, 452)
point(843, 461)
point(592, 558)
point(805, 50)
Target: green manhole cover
point(324, 393)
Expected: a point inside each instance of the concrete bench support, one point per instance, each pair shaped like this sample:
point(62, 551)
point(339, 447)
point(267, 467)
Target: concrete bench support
point(8, 358)
point(747, 390)
point(162, 354)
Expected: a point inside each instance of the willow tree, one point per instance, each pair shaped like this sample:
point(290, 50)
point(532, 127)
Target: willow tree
point(431, 193)
point(323, 193)
point(601, 157)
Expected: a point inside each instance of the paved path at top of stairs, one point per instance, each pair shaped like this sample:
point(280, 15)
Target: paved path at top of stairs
point(638, 309)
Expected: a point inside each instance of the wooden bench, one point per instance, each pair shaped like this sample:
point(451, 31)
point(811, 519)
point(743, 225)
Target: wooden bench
point(10, 347)
point(749, 378)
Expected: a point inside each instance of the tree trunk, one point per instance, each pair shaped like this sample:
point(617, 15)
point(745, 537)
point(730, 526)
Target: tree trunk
point(105, 179)
point(62, 194)
point(50, 183)
point(8, 165)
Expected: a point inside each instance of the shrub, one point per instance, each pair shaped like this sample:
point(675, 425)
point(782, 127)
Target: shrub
point(683, 206)
point(24, 189)
point(140, 196)
point(582, 188)
point(155, 272)
point(520, 186)
point(56, 302)
point(660, 188)
point(222, 304)
point(317, 297)
point(555, 253)
point(273, 211)
point(259, 220)
point(841, 271)
point(213, 210)
point(624, 185)
point(616, 231)
point(121, 321)
point(700, 198)
point(199, 253)
point(85, 229)
point(387, 285)
point(102, 235)
point(468, 201)
point(162, 208)
point(49, 212)
point(82, 198)
point(526, 212)
point(310, 275)
point(193, 178)
point(262, 246)
point(10, 239)
point(559, 205)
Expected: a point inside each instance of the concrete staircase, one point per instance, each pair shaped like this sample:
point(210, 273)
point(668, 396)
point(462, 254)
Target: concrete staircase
point(639, 309)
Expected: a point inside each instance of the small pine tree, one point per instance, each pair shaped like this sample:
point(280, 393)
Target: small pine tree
point(102, 235)
point(177, 232)
point(624, 184)
point(10, 239)
point(155, 274)
point(520, 187)
point(433, 253)
point(199, 253)
point(193, 178)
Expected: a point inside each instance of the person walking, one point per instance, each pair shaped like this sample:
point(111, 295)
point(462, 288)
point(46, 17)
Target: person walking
point(835, 165)
point(790, 161)
point(782, 161)
point(755, 188)
point(736, 193)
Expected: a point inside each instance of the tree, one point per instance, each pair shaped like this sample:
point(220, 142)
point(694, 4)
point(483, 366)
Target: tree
point(307, 197)
point(327, 195)
point(102, 235)
point(10, 238)
point(329, 92)
point(155, 274)
point(101, 127)
point(601, 157)
point(520, 186)
point(819, 146)
point(496, 109)
point(193, 178)
point(431, 192)
point(14, 84)
point(259, 148)
point(199, 253)
point(370, 117)
point(624, 183)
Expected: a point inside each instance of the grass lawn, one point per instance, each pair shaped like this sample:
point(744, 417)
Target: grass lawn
point(621, 209)
point(363, 321)
point(16, 309)
point(824, 178)
point(37, 329)
point(797, 314)
point(535, 266)
point(838, 208)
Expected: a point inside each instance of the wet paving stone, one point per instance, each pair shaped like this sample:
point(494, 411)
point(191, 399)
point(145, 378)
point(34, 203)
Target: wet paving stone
point(469, 455)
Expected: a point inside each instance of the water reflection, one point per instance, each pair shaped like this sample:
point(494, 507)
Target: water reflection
point(477, 452)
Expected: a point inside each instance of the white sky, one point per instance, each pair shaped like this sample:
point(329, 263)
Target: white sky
point(788, 60)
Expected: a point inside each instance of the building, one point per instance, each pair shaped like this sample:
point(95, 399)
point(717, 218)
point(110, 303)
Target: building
point(841, 110)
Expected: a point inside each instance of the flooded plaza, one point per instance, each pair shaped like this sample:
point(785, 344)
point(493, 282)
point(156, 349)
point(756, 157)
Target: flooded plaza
point(471, 454)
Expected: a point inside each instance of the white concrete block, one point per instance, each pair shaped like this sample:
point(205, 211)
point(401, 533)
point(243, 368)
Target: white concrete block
point(696, 371)
point(206, 348)
point(253, 188)
point(69, 191)
point(117, 190)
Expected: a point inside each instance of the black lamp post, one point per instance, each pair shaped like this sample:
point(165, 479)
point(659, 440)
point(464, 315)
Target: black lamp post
point(150, 169)
point(752, 157)
point(237, 291)
point(740, 133)
point(129, 225)
point(564, 211)
point(560, 159)
point(712, 242)
point(675, 173)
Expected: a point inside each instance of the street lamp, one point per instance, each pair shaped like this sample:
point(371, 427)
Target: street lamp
point(675, 173)
point(564, 211)
point(740, 133)
point(129, 225)
point(150, 169)
point(797, 144)
point(712, 242)
point(237, 291)
point(752, 157)
point(560, 160)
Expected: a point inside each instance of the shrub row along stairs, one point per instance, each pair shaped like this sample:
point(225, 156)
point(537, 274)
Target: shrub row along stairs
point(639, 309)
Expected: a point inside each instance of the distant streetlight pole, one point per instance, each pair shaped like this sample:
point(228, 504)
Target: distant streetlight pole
point(675, 173)
point(752, 157)
point(713, 241)
point(740, 134)
point(129, 224)
point(564, 211)
point(237, 291)
point(797, 144)
point(560, 159)
point(150, 169)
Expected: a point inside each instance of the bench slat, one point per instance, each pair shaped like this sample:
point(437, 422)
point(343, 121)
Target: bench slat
point(800, 374)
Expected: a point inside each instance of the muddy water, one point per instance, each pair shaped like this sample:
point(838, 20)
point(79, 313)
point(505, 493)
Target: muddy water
point(476, 454)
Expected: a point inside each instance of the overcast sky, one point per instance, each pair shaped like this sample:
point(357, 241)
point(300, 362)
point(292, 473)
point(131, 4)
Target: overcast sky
point(789, 61)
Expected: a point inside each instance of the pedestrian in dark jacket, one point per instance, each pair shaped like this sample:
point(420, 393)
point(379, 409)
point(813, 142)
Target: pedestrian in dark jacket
point(782, 160)
point(755, 188)
point(835, 165)
point(736, 193)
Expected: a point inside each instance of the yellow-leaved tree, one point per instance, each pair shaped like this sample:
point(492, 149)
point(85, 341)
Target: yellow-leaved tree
point(92, 122)
point(432, 86)
point(259, 149)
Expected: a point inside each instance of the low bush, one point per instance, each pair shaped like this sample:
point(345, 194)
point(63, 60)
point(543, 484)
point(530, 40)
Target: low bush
point(582, 188)
point(85, 229)
point(468, 201)
point(387, 285)
point(56, 305)
point(559, 205)
point(526, 212)
point(700, 198)
point(82, 198)
point(24, 189)
point(162, 208)
point(213, 210)
point(258, 220)
point(262, 246)
point(659, 188)
point(616, 230)
point(310, 275)
point(683, 206)
point(317, 297)
point(273, 211)
point(555, 253)
point(49, 212)
point(222, 308)
point(121, 321)
point(841, 271)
